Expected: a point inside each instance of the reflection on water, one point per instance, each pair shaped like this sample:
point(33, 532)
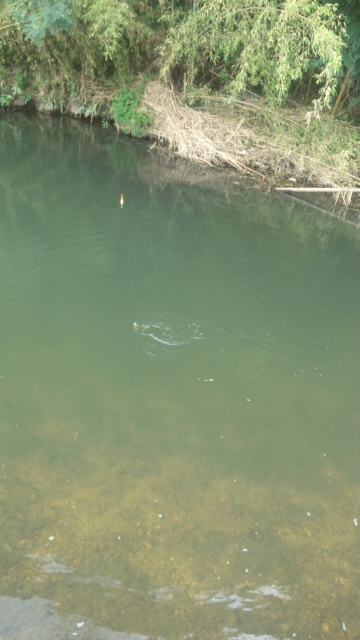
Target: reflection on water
point(179, 423)
point(167, 333)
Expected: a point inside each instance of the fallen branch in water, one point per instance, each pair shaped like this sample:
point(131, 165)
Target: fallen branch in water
point(319, 189)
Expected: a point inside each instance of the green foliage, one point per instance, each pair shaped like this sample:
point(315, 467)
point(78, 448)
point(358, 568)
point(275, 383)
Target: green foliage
point(352, 55)
point(11, 39)
point(19, 87)
point(124, 109)
point(5, 99)
point(66, 43)
point(349, 14)
point(267, 44)
point(109, 38)
point(14, 86)
point(37, 18)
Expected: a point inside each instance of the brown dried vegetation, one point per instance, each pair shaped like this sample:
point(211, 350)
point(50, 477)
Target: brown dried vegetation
point(250, 137)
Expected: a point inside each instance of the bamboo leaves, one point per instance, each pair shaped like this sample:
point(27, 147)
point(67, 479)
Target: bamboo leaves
point(267, 44)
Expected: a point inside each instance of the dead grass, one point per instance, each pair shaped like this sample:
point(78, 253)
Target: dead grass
point(197, 135)
point(253, 138)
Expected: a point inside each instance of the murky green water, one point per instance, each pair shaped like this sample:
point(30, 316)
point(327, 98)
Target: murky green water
point(197, 476)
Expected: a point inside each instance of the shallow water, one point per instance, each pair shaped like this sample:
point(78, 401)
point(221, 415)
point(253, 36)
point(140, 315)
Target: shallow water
point(194, 475)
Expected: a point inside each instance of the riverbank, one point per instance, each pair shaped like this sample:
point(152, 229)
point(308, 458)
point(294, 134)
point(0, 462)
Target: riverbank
point(276, 102)
point(278, 148)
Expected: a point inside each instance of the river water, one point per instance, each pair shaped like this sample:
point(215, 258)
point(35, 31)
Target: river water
point(179, 400)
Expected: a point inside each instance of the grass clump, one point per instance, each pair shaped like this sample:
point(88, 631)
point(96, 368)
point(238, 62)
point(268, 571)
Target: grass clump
point(302, 144)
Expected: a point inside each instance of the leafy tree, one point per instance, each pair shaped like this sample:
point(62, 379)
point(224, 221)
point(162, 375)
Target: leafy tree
point(268, 44)
point(38, 17)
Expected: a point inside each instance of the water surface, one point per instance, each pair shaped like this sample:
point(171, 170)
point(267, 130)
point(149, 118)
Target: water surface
point(194, 475)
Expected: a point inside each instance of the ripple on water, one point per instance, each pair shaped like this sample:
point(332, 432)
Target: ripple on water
point(166, 333)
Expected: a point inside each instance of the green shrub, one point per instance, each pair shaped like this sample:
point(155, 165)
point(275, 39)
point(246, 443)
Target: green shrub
point(5, 99)
point(126, 114)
